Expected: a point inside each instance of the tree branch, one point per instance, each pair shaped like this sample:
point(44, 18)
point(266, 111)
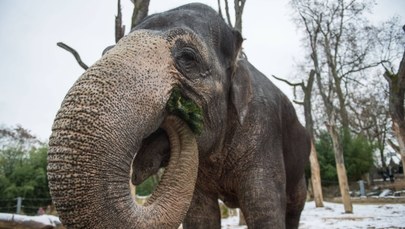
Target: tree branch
point(288, 82)
point(393, 146)
point(359, 69)
point(219, 9)
point(228, 17)
point(74, 53)
point(298, 102)
point(294, 85)
point(119, 28)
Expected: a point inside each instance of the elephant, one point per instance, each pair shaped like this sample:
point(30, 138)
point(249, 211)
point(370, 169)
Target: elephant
point(242, 142)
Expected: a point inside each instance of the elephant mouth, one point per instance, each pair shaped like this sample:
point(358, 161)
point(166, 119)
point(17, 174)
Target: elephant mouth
point(153, 155)
point(155, 149)
point(186, 109)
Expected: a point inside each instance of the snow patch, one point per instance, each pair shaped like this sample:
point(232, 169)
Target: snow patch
point(364, 216)
point(332, 216)
point(35, 221)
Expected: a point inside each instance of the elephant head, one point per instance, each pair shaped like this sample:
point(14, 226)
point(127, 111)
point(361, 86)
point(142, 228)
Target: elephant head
point(118, 108)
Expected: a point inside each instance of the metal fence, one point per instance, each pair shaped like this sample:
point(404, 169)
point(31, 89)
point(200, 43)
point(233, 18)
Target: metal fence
point(28, 206)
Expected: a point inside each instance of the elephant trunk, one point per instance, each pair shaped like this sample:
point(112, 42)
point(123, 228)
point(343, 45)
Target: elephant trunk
point(100, 126)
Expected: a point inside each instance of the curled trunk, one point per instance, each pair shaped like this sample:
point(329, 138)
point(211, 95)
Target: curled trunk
point(100, 126)
point(77, 195)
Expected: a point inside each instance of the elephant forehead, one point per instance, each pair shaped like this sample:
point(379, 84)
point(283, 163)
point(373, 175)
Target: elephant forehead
point(144, 58)
point(144, 48)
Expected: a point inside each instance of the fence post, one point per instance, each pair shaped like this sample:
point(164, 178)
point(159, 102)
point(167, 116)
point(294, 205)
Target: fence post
point(19, 203)
point(362, 189)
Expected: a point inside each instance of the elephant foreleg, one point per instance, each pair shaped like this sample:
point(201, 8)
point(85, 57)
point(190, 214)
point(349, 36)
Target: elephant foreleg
point(203, 212)
point(262, 200)
point(295, 203)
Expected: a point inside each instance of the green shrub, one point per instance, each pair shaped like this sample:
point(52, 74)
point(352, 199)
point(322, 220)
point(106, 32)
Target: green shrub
point(357, 152)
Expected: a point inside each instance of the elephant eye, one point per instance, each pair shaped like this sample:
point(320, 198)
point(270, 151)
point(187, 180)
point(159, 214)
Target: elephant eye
point(187, 58)
point(187, 55)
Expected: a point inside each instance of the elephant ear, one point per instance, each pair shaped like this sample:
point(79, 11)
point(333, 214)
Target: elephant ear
point(241, 85)
point(241, 90)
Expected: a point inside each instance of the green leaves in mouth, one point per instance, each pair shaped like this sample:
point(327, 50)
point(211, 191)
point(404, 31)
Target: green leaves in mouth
point(186, 109)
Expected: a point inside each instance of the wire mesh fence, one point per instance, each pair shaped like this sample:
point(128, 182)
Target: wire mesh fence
point(27, 206)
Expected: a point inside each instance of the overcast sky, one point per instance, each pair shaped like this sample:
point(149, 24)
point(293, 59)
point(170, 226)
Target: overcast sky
point(35, 74)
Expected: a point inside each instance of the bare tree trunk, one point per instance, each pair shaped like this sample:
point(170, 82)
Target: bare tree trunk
point(316, 177)
point(309, 125)
point(331, 60)
point(141, 9)
point(329, 109)
point(119, 28)
point(399, 133)
point(396, 83)
point(340, 167)
point(228, 16)
point(239, 5)
point(403, 163)
point(220, 9)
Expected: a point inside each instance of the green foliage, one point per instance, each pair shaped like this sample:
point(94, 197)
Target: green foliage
point(326, 157)
point(146, 188)
point(224, 211)
point(187, 110)
point(23, 162)
point(360, 152)
point(357, 152)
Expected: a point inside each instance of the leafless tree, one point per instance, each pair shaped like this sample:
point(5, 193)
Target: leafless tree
point(239, 6)
point(141, 9)
point(390, 43)
point(396, 104)
point(338, 48)
point(119, 28)
point(344, 48)
point(18, 137)
point(370, 114)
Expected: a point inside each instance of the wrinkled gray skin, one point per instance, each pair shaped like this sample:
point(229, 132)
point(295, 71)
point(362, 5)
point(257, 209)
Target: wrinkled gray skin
point(251, 153)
